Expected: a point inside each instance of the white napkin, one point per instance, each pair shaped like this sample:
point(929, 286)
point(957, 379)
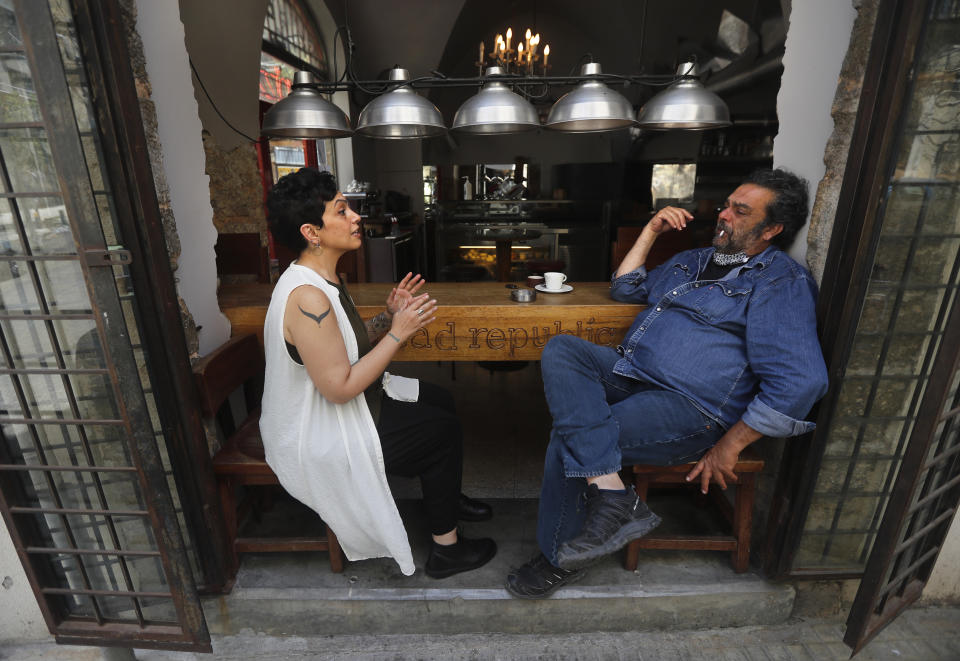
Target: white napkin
point(401, 388)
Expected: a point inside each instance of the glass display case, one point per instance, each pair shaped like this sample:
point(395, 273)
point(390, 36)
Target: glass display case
point(508, 240)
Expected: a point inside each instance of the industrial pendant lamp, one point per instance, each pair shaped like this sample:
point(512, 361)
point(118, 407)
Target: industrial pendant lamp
point(495, 110)
point(304, 113)
point(400, 114)
point(591, 106)
point(686, 104)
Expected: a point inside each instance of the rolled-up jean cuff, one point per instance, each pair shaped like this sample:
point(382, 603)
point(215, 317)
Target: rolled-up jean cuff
point(593, 473)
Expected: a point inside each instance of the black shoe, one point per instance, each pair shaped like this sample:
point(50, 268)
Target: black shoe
point(538, 579)
point(473, 510)
point(613, 520)
point(465, 555)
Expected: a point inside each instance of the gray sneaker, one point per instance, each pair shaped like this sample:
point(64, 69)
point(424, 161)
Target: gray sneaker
point(613, 520)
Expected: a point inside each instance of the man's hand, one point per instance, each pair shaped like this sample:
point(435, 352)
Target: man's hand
point(716, 464)
point(719, 461)
point(665, 220)
point(669, 218)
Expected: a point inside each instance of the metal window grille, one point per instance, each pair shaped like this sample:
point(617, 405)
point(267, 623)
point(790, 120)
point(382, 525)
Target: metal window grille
point(900, 333)
point(289, 27)
point(85, 487)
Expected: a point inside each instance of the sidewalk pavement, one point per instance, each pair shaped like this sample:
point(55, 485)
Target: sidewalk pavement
point(919, 634)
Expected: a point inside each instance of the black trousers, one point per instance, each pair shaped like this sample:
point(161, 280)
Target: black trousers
point(424, 439)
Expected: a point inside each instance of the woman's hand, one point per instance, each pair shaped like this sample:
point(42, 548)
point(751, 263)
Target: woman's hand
point(401, 295)
point(417, 313)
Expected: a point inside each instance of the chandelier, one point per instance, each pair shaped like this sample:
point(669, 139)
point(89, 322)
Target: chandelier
point(522, 60)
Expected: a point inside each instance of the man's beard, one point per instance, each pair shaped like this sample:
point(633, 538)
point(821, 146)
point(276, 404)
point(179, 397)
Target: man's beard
point(727, 242)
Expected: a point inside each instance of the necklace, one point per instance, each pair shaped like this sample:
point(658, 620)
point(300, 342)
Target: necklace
point(724, 259)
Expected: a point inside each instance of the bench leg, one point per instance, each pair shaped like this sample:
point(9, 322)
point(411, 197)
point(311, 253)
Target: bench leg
point(632, 557)
point(742, 521)
point(336, 553)
point(228, 503)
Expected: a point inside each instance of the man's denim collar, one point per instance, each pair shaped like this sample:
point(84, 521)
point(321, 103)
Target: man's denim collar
point(760, 260)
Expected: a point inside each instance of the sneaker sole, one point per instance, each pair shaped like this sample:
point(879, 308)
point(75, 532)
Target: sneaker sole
point(570, 579)
point(567, 559)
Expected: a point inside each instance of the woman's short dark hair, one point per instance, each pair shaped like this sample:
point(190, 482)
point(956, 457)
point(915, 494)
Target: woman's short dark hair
point(299, 197)
point(789, 206)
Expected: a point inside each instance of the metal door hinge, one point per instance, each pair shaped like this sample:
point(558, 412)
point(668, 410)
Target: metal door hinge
point(112, 256)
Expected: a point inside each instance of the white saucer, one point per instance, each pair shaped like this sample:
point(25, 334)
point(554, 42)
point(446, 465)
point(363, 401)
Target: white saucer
point(563, 290)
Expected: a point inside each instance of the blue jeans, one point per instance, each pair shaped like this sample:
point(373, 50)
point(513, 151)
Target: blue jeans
point(600, 421)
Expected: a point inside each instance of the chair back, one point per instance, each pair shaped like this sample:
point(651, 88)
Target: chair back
point(237, 363)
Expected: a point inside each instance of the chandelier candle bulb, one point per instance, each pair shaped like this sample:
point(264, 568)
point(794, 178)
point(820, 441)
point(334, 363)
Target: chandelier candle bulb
point(482, 52)
point(509, 36)
point(546, 54)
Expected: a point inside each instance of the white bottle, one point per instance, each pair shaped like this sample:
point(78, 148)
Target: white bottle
point(467, 189)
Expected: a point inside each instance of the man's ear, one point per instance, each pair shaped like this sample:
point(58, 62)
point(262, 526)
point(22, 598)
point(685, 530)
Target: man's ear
point(771, 231)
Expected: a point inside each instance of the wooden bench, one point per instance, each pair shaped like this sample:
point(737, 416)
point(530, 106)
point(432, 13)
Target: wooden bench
point(240, 461)
point(739, 515)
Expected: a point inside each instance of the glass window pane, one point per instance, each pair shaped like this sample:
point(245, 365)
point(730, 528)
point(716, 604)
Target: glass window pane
point(68, 445)
point(943, 216)
point(29, 344)
point(9, 29)
point(905, 355)
point(64, 287)
point(28, 160)
point(46, 226)
point(935, 261)
point(10, 243)
point(18, 98)
point(17, 294)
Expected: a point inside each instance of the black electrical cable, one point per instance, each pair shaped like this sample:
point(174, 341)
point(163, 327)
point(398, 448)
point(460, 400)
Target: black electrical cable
point(214, 105)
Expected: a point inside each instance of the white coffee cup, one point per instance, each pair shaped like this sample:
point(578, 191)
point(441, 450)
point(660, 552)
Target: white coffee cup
point(553, 280)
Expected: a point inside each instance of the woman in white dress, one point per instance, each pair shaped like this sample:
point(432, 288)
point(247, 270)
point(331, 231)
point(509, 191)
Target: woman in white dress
point(334, 423)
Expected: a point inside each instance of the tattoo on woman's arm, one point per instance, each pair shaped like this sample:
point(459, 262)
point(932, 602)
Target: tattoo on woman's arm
point(379, 324)
point(315, 317)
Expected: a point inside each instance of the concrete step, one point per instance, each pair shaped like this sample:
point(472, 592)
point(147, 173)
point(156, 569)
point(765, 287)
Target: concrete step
point(296, 594)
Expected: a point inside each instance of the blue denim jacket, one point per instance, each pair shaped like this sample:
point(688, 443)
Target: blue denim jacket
point(741, 348)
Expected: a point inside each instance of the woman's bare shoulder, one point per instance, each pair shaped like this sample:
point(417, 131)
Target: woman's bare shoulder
point(307, 302)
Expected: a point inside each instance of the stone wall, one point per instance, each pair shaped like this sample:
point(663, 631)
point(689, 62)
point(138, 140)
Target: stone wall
point(236, 193)
point(844, 113)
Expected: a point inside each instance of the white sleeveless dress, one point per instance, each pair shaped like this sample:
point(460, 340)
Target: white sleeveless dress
point(327, 455)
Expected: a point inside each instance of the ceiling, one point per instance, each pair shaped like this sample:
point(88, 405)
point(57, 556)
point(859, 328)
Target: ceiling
point(624, 36)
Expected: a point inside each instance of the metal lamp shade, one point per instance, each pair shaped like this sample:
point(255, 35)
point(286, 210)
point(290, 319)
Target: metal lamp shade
point(400, 114)
point(591, 106)
point(684, 105)
point(304, 113)
point(495, 109)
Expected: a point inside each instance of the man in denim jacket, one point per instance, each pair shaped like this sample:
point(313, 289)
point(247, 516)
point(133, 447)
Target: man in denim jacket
point(725, 352)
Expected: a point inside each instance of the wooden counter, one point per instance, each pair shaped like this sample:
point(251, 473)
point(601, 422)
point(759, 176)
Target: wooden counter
point(475, 320)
